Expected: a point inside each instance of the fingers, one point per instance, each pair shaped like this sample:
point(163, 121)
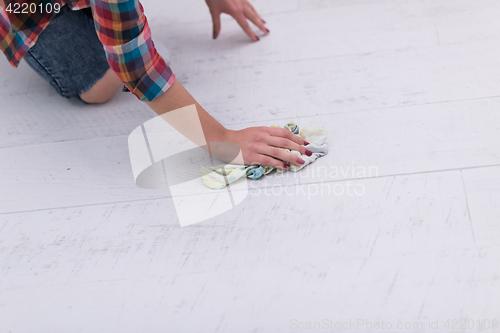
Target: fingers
point(270, 161)
point(252, 15)
point(253, 9)
point(270, 146)
point(242, 21)
point(279, 142)
point(283, 133)
point(283, 155)
point(217, 24)
point(240, 10)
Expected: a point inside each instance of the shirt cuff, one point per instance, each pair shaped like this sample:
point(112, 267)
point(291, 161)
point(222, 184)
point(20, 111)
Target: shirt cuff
point(158, 78)
point(137, 63)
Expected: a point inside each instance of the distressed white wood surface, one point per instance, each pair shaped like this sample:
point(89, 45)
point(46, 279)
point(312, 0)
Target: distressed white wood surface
point(362, 144)
point(409, 87)
point(282, 75)
point(408, 140)
point(483, 192)
point(130, 265)
point(331, 31)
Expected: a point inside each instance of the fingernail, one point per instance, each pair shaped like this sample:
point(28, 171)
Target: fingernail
point(257, 37)
point(215, 34)
point(267, 30)
point(286, 166)
point(306, 143)
point(300, 161)
point(308, 152)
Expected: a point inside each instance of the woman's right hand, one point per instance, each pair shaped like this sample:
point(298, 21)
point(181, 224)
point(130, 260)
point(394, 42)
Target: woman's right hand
point(261, 146)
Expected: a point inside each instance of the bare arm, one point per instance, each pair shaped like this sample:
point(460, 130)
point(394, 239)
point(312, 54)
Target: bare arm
point(259, 145)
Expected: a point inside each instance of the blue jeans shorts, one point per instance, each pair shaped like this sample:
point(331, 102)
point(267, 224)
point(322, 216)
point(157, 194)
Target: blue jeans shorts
point(68, 53)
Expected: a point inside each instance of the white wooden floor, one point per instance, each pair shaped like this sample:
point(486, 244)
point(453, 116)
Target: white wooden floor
point(408, 88)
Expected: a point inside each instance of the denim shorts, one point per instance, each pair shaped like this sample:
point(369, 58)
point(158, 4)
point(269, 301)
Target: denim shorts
point(68, 53)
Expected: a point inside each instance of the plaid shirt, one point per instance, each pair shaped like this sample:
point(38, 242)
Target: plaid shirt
point(121, 27)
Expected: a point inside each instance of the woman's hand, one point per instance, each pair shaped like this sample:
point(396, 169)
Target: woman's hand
point(240, 10)
point(261, 146)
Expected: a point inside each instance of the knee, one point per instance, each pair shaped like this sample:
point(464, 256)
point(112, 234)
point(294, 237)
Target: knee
point(96, 98)
point(103, 90)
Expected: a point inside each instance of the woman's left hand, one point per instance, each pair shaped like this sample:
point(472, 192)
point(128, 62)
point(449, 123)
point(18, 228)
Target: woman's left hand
point(241, 11)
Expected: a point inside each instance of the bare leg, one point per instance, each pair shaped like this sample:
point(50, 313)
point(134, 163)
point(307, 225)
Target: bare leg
point(103, 90)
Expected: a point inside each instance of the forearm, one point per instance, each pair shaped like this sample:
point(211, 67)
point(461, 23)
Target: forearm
point(177, 97)
point(254, 145)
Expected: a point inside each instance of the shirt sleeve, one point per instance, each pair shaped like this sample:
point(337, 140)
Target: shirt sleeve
point(125, 34)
